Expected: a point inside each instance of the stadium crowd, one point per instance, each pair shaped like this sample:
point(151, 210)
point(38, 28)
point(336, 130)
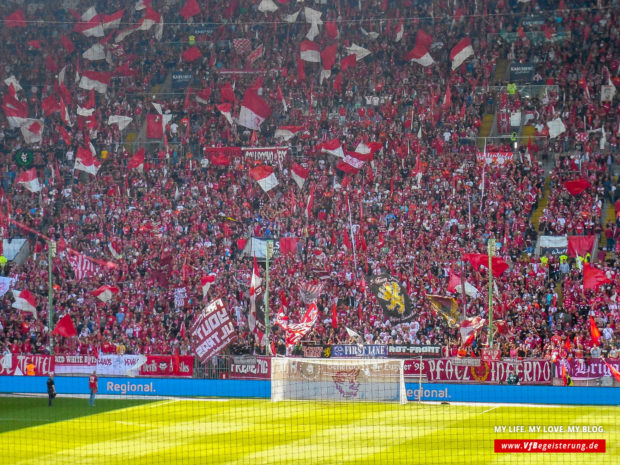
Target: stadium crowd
point(423, 201)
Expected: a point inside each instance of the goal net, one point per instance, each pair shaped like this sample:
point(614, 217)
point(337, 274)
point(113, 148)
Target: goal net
point(338, 379)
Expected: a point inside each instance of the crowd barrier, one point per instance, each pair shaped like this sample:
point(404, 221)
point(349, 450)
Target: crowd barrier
point(262, 389)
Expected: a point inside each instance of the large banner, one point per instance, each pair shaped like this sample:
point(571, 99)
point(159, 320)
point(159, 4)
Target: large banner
point(168, 365)
point(476, 371)
point(413, 350)
point(392, 297)
point(584, 369)
point(270, 155)
point(181, 79)
point(358, 351)
point(494, 158)
point(15, 365)
point(555, 245)
point(119, 365)
point(249, 367)
point(75, 364)
point(521, 72)
point(212, 331)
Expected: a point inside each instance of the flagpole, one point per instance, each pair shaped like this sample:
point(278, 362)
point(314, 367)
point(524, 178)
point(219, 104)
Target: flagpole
point(463, 298)
point(352, 237)
point(491, 249)
point(51, 249)
point(267, 256)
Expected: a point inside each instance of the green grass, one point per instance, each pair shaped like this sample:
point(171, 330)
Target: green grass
point(260, 432)
point(24, 412)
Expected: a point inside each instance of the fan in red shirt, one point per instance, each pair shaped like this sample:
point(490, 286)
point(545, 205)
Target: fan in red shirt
point(92, 386)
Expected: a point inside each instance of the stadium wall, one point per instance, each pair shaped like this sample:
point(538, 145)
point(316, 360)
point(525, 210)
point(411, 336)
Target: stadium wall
point(262, 389)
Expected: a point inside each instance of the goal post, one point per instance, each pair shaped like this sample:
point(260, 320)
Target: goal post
point(351, 380)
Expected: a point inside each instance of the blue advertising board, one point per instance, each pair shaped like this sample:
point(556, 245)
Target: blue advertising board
point(355, 351)
point(262, 389)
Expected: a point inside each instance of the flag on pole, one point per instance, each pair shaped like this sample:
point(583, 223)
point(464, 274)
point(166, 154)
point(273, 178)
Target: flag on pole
point(420, 52)
point(264, 175)
point(309, 203)
point(105, 293)
point(65, 327)
point(82, 266)
point(593, 278)
point(309, 51)
point(461, 52)
point(595, 334)
point(25, 301)
point(400, 30)
point(280, 97)
point(84, 161)
point(469, 329)
point(255, 290)
point(299, 174)
point(254, 110)
point(333, 147)
point(205, 283)
point(29, 180)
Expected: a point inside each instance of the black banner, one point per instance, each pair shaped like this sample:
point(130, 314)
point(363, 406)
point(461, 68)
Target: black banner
point(181, 79)
point(392, 297)
point(522, 72)
point(413, 350)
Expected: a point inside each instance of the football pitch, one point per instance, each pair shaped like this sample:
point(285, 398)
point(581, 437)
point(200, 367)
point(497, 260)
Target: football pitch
point(257, 432)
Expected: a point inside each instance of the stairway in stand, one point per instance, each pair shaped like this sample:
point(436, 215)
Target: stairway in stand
point(542, 204)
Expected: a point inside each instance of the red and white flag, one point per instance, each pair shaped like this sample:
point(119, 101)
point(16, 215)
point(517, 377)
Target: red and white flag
point(50, 105)
point(190, 9)
point(88, 107)
point(333, 147)
point(299, 174)
point(29, 180)
point(25, 301)
point(97, 80)
point(84, 161)
point(400, 30)
point(309, 51)
point(16, 111)
point(226, 109)
point(32, 130)
point(203, 96)
point(90, 25)
point(152, 18)
point(137, 161)
point(359, 52)
point(105, 293)
point(254, 110)
point(287, 132)
point(112, 21)
point(295, 332)
point(95, 53)
point(115, 247)
point(350, 164)
point(420, 52)
point(256, 54)
point(242, 46)
point(264, 175)
point(206, 281)
point(120, 120)
point(280, 97)
point(461, 52)
point(469, 329)
point(82, 266)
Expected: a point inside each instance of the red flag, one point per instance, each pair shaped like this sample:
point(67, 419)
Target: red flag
point(65, 327)
point(348, 62)
point(334, 316)
point(477, 260)
point(595, 334)
point(154, 126)
point(191, 54)
point(15, 19)
point(613, 371)
point(309, 203)
point(346, 240)
point(593, 278)
point(454, 282)
point(331, 29)
point(137, 160)
point(580, 245)
point(190, 9)
point(577, 186)
point(227, 93)
point(65, 135)
point(564, 376)
point(50, 105)
point(567, 345)
point(447, 99)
